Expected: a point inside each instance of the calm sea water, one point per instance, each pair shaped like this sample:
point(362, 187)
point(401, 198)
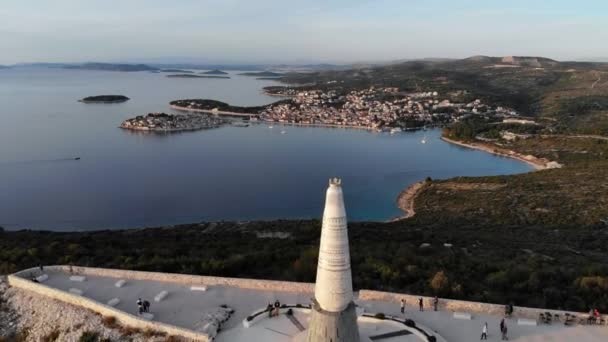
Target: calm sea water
point(126, 179)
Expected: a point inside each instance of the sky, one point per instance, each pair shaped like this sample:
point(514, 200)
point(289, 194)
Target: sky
point(304, 31)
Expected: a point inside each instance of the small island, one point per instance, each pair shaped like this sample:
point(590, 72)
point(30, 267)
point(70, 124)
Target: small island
point(214, 72)
point(262, 74)
point(195, 76)
point(169, 123)
point(104, 99)
point(177, 71)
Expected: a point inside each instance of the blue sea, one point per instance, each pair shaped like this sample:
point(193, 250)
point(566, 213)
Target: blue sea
point(126, 179)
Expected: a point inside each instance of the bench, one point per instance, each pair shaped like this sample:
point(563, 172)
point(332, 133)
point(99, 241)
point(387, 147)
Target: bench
point(527, 321)
point(113, 302)
point(462, 315)
point(78, 278)
point(198, 288)
point(42, 278)
point(76, 291)
point(161, 296)
point(120, 283)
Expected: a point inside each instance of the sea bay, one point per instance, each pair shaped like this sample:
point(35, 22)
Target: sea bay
point(127, 179)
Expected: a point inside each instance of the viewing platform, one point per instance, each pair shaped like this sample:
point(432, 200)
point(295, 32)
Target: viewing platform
point(189, 299)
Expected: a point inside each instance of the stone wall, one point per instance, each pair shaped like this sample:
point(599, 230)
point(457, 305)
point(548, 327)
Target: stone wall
point(188, 280)
point(461, 305)
point(124, 318)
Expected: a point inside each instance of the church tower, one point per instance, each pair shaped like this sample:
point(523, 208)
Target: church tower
point(333, 318)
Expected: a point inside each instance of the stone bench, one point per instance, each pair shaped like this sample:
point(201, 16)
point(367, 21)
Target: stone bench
point(198, 288)
point(76, 291)
point(527, 321)
point(161, 296)
point(42, 278)
point(120, 283)
point(79, 279)
point(462, 315)
point(113, 302)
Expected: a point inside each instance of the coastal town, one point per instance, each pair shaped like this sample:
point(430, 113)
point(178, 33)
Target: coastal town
point(374, 108)
point(164, 123)
point(371, 108)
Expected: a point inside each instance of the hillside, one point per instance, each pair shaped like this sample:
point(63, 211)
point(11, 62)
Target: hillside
point(534, 86)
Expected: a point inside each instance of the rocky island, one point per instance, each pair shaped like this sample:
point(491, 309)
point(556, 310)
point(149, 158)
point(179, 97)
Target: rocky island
point(195, 76)
point(104, 99)
point(214, 72)
point(177, 70)
point(168, 123)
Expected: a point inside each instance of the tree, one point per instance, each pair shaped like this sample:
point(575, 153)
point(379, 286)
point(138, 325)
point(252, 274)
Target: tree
point(440, 282)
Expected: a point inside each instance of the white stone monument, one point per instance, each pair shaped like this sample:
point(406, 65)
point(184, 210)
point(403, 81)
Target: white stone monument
point(333, 313)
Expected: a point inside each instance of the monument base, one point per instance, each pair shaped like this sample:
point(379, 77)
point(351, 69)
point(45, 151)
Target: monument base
point(328, 326)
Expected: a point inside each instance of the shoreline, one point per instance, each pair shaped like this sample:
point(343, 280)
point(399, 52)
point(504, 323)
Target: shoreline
point(211, 111)
point(537, 163)
point(406, 200)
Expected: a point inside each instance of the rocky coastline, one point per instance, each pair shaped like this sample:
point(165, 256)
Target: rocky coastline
point(406, 200)
point(537, 163)
point(169, 123)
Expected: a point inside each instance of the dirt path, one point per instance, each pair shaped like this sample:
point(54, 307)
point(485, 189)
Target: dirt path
point(599, 78)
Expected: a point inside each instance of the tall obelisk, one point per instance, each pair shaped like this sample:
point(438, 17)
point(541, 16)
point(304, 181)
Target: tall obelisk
point(334, 318)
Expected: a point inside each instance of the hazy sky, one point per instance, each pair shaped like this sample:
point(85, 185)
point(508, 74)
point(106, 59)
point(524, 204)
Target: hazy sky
point(270, 31)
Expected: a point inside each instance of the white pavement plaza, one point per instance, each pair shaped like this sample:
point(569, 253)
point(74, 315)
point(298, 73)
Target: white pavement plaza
point(184, 308)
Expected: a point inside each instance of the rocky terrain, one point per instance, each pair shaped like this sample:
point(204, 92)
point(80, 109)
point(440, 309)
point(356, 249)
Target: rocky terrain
point(164, 123)
point(25, 316)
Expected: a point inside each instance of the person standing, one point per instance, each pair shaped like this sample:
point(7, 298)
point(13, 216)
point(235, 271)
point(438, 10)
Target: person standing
point(140, 306)
point(502, 324)
point(402, 305)
point(504, 333)
point(421, 304)
point(484, 332)
point(146, 306)
point(435, 303)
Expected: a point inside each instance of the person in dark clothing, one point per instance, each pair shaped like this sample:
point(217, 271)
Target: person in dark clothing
point(421, 304)
point(504, 333)
point(502, 324)
point(435, 303)
point(146, 306)
point(402, 306)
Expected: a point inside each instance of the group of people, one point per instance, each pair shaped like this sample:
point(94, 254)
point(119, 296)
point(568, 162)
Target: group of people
point(273, 310)
point(503, 330)
point(594, 315)
point(421, 304)
point(143, 306)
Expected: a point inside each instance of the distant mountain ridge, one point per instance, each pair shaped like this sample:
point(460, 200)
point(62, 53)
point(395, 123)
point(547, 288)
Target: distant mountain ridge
point(111, 67)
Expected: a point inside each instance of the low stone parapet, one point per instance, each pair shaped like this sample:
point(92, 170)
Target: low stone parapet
point(461, 305)
point(17, 281)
